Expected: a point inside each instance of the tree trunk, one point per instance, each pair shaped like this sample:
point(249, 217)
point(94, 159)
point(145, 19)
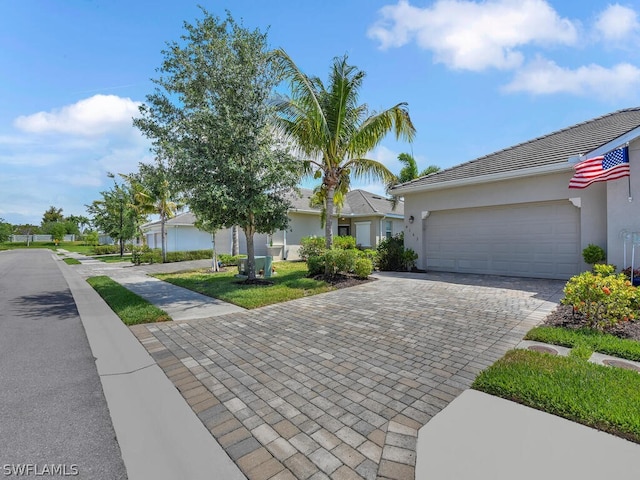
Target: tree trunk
point(163, 239)
point(251, 257)
point(214, 257)
point(235, 241)
point(328, 233)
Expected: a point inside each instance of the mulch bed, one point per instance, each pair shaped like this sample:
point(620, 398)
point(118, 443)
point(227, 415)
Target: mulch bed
point(563, 316)
point(343, 281)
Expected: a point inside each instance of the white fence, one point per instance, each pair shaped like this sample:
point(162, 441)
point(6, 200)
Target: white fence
point(38, 238)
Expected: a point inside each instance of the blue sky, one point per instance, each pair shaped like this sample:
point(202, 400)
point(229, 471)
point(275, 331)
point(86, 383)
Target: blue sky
point(478, 77)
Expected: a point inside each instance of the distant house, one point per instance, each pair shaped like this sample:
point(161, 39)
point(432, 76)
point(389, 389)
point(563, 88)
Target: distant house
point(366, 216)
point(512, 212)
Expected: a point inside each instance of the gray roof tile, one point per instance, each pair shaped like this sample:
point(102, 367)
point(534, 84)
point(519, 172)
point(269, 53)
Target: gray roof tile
point(554, 148)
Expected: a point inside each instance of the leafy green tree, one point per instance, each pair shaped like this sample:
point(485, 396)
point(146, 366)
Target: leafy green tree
point(26, 229)
point(6, 229)
point(92, 238)
point(210, 115)
point(57, 231)
point(114, 215)
point(334, 131)
point(52, 214)
point(81, 223)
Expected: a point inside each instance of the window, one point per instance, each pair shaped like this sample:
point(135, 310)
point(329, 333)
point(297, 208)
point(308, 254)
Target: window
point(343, 230)
point(388, 228)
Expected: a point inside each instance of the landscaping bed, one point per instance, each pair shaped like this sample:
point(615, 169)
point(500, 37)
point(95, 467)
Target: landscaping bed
point(563, 316)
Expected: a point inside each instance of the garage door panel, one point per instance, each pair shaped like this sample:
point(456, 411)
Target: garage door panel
point(540, 240)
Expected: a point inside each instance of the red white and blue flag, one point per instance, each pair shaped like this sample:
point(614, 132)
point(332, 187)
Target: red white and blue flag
point(610, 166)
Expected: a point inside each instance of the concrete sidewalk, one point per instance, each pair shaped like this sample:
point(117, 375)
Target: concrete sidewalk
point(160, 436)
point(179, 303)
point(482, 437)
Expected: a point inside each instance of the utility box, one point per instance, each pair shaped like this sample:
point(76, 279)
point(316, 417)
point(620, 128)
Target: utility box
point(262, 263)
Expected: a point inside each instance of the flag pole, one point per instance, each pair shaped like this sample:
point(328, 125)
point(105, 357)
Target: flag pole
point(629, 177)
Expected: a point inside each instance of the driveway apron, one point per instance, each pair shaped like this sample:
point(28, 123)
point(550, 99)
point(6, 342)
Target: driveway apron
point(337, 385)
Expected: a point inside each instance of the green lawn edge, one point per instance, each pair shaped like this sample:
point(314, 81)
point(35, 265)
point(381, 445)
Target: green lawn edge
point(289, 283)
point(584, 337)
point(605, 398)
point(131, 308)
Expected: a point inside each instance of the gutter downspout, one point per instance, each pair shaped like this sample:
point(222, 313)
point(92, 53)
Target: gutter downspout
point(284, 247)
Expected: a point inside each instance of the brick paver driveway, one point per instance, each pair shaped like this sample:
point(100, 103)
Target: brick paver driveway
point(337, 385)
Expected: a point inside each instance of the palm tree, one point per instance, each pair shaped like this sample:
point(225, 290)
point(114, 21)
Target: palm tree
point(332, 131)
point(152, 195)
point(410, 170)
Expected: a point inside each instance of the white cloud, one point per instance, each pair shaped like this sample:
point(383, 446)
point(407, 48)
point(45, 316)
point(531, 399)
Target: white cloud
point(474, 36)
point(545, 77)
point(61, 157)
point(92, 116)
point(617, 23)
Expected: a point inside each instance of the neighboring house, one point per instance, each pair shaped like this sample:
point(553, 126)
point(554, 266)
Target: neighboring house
point(512, 213)
point(366, 216)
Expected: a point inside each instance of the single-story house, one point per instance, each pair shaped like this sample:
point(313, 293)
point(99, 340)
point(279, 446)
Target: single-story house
point(512, 212)
point(366, 216)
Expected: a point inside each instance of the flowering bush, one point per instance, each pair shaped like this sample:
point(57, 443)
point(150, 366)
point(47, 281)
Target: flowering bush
point(603, 297)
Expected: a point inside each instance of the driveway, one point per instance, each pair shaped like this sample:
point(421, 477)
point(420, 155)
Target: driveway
point(337, 385)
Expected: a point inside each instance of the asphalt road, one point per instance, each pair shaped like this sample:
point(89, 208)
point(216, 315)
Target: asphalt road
point(53, 413)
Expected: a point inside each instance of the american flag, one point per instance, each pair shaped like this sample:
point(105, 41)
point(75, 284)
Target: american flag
point(610, 166)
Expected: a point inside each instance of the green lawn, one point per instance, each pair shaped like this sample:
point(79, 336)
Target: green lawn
point(289, 283)
point(602, 397)
point(586, 338)
point(71, 261)
point(78, 247)
point(131, 308)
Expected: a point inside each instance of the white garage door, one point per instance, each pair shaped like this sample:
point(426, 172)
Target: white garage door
point(540, 240)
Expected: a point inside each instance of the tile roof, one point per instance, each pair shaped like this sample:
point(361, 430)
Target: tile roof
point(358, 203)
point(554, 148)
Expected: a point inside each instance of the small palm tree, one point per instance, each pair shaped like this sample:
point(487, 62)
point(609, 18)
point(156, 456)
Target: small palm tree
point(154, 196)
point(332, 131)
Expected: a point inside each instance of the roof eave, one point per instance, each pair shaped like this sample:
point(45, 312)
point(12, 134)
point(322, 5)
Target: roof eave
point(494, 177)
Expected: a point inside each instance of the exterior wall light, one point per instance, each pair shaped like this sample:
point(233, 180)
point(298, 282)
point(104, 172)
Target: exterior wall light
point(411, 219)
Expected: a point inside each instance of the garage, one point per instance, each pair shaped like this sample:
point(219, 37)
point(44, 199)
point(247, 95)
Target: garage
point(540, 240)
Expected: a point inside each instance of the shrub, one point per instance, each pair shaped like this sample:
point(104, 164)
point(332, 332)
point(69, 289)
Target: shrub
point(188, 255)
point(593, 254)
point(392, 256)
point(340, 261)
point(106, 249)
point(311, 247)
point(345, 242)
point(315, 265)
point(603, 298)
point(363, 267)
point(371, 255)
point(228, 260)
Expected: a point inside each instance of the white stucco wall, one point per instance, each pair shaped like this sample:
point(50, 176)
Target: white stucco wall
point(623, 214)
point(592, 201)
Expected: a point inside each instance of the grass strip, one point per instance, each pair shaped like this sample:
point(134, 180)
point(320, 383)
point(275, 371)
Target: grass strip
point(131, 308)
point(597, 341)
point(71, 261)
point(601, 397)
point(289, 282)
